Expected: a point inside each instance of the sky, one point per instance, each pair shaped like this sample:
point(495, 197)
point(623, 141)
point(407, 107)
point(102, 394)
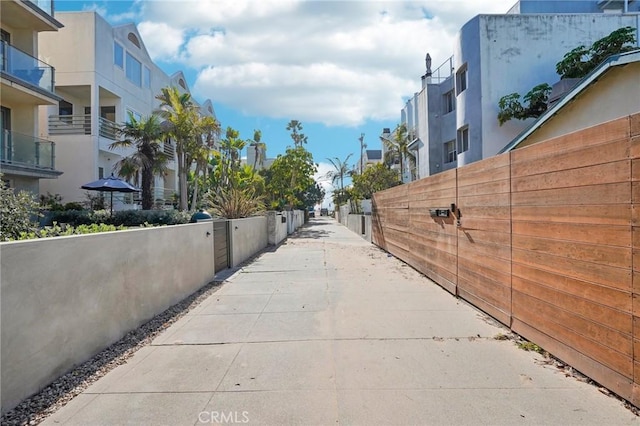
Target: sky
point(341, 68)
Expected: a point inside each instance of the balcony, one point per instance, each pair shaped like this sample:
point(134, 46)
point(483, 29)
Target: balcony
point(36, 15)
point(44, 5)
point(27, 155)
point(81, 125)
point(25, 68)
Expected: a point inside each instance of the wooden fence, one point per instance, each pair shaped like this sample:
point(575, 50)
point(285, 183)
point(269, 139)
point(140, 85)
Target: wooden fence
point(546, 239)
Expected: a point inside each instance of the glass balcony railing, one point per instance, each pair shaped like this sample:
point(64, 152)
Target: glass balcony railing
point(25, 150)
point(44, 5)
point(25, 67)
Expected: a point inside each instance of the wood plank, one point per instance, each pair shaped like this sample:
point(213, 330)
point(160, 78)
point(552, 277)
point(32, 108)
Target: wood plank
point(599, 134)
point(501, 200)
point(585, 214)
point(492, 188)
point(498, 314)
point(490, 292)
point(615, 298)
point(484, 251)
point(609, 276)
point(610, 378)
point(470, 224)
point(469, 178)
point(634, 124)
point(440, 276)
point(617, 171)
point(613, 319)
point(586, 233)
point(613, 193)
point(616, 150)
point(605, 255)
point(485, 212)
point(471, 256)
point(543, 316)
point(634, 147)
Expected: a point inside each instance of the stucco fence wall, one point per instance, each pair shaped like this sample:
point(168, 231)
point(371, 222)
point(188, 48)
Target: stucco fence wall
point(360, 224)
point(65, 299)
point(248, 237)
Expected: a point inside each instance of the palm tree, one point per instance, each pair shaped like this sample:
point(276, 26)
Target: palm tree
point(180, 114)
point(398, 149)
point(259, 147)
point(298, 138)
point(341, 171)
point(206, 129)
point(149, 159)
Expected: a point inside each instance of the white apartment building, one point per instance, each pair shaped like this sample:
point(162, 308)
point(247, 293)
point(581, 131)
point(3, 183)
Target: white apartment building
point(453, 119)
point(104, 73)
point(25, 83)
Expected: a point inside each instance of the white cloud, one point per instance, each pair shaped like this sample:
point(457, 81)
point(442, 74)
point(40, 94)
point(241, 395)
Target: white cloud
point(335, 62)
point(162, 40)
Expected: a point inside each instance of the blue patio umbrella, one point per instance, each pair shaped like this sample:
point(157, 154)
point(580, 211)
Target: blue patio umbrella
point(111, 184)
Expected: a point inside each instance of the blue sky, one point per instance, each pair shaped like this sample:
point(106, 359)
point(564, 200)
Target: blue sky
point(342, 68)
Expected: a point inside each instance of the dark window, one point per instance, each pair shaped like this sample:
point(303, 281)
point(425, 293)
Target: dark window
point(463, 139)
point(450, 154)
point(65, 108)
point(134, 39)
point(461, 79)
point(449, 102)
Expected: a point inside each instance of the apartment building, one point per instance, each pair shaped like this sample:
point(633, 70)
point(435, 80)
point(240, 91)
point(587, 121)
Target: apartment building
point(453, 118)
point(104, 74)
point(25, 83)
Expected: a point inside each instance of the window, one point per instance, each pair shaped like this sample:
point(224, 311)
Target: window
point(450, 154)
point(147, 77)
point(182, 84)
point(134, 39)
point(449, 102)
point(134, 70)
point(118, 55)
point(461, 79)
point(463, 139)
point(100, 172)
point(136, 116)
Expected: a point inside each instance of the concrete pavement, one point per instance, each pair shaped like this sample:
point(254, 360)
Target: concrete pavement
point(327, 330)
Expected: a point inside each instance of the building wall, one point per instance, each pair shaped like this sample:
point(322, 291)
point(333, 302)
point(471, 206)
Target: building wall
point(525, 48)
point(615, 94)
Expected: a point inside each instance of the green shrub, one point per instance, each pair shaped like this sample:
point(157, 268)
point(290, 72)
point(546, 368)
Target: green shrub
point(61, 230)
point(150, 217)
point(17, 213)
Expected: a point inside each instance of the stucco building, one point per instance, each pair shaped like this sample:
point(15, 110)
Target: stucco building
point(104, 73)
point(453, 118)
point(25, 83)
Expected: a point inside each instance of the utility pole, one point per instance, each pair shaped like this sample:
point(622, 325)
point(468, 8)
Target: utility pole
point(362, 147)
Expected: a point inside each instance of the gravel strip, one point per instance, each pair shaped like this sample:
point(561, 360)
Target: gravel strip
point(38, 407)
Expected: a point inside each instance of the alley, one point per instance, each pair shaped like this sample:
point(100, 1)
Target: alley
point(328, 329)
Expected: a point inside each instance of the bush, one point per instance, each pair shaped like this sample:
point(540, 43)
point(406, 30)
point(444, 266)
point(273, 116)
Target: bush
point(129, 218)
point(58, 230)
point(17, 212)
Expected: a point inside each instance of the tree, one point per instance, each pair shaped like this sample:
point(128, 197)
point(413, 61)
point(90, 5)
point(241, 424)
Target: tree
point(341, 170)
point(16, 213)
point(189, 131)
point(289, 177)
point(148, 159)
point(259, 147)
point(313, 195)
point(581, 61)
point(398, 149)
point(374, 178)
point(536, 99)
point(576, 63)
point(298, 138)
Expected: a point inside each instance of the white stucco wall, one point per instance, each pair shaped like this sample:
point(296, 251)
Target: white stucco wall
point(248, 237)
point(65, 299)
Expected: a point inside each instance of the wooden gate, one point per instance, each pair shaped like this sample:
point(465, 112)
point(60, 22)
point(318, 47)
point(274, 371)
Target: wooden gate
point(221, 244)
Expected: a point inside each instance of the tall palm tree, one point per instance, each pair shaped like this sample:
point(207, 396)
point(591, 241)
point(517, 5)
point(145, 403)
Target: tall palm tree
point(149, 159)
point(206, 129)
point(298, 138)
point(259, 147)
point(341, 171)
point(398, 149)
point(180, 114)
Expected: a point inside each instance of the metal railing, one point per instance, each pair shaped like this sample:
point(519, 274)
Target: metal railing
point(443, 72)
point(107, 128)
point(161, 196)
point(169, 151)
point(81, 125)
point(25, 150)
point(25, 67)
